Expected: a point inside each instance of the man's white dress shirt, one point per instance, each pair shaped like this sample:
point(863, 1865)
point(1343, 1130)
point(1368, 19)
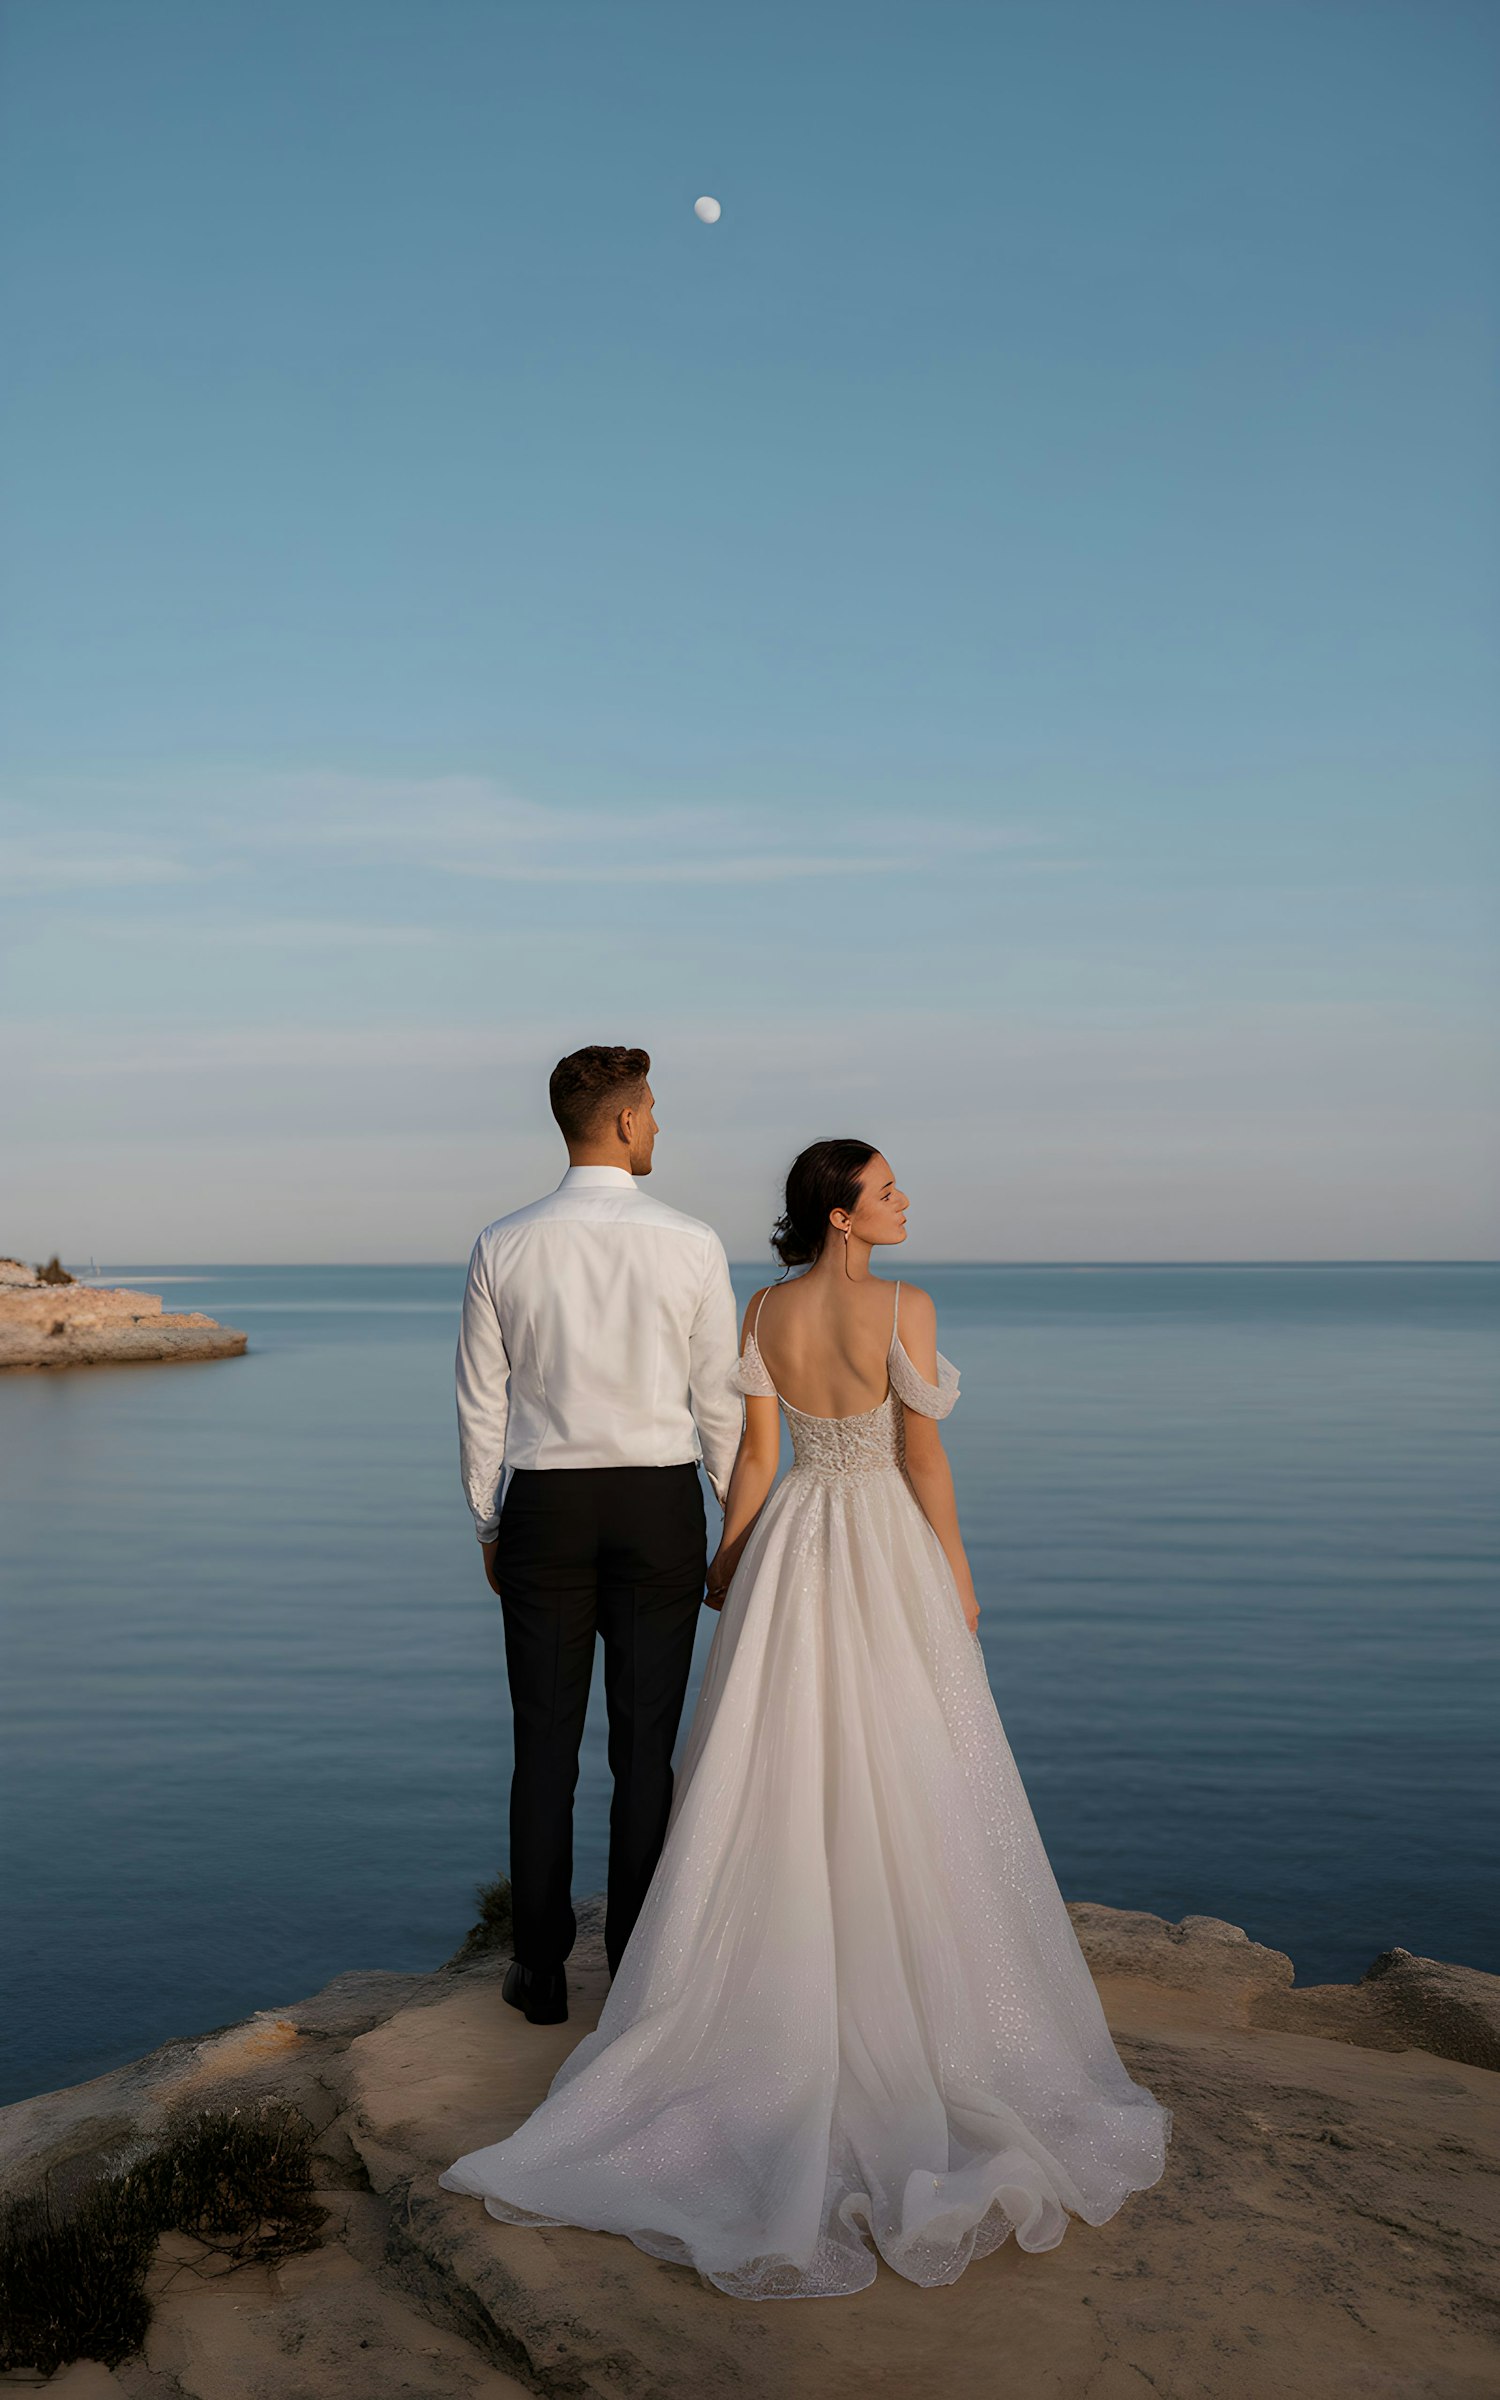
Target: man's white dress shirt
point(599, 1330)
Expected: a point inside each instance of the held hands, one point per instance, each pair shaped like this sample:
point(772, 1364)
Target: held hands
point(488, 1551)
point(721, 1569)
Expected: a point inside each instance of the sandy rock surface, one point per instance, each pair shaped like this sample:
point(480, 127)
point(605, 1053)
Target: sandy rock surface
point(88, 1325)
point(1328, 2224)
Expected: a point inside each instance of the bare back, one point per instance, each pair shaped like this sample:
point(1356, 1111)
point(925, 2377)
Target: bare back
point(825, 1344)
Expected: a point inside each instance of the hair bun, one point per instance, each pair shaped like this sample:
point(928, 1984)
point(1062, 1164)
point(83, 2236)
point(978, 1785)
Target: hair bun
point(789, 1245)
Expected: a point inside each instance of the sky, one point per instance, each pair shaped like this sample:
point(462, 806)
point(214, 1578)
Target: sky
point(989, 648)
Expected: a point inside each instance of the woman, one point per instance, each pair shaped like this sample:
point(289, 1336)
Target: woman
point(853, 2011)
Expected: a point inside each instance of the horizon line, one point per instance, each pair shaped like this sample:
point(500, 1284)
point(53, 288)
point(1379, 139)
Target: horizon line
point(928, 1266)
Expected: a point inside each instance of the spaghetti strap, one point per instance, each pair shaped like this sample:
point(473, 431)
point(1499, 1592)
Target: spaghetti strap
point(896, 1314)
point(750, 1376)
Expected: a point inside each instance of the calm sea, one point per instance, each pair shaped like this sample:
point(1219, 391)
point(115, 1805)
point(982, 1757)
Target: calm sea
point(1235, 1533)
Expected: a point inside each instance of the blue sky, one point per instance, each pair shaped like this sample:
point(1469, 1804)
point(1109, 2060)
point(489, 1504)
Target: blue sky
point(990, 647)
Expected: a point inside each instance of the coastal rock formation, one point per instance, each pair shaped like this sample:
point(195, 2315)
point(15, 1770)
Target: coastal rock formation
point(1401, 2002)
point(1328, 2224)
point(47, 1323)
point(1201, 1954)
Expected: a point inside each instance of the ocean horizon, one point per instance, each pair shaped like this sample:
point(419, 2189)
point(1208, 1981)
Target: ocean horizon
point(1234, 1527)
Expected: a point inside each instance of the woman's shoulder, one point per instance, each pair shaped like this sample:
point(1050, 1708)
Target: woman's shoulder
point(752, 1309)
point(920, 1375)
point(915, 1307)
point(916, 1328)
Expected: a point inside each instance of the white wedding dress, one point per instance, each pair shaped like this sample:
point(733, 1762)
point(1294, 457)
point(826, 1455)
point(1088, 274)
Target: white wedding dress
point(853, 2015)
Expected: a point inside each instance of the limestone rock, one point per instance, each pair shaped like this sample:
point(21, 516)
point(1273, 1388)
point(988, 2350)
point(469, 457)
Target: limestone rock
point(354, 2002)
point(1328, 2227)
point(1198, 1954)
point(43, 1324)
point(85, 2379)
point(326, 2324)
point(70, 2137)
point(1452, 2011)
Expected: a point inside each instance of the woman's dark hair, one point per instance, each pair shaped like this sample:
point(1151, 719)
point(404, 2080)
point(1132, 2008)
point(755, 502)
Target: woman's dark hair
point(823, 1177)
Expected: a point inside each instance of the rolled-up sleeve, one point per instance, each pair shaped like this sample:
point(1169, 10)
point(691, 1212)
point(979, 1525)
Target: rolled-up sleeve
point(713, 1351)
point(482, 1375)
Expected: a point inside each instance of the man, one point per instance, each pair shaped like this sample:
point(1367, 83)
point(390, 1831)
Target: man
point(599, 1331)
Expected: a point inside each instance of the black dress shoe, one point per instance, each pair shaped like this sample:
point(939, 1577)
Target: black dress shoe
point(541, 1993)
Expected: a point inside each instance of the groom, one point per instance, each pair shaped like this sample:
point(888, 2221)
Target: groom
point(598, 1332)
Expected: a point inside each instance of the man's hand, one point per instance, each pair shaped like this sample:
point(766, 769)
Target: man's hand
point(488, 1551)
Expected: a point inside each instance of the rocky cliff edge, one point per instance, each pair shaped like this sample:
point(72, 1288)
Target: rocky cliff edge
point(1328, 2224)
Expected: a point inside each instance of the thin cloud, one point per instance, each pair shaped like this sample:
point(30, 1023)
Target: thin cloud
point(766, 869)
point(65, 1047)
point(469, 827)
point(31, 868)
point(315, 934)
point(1117, 1059)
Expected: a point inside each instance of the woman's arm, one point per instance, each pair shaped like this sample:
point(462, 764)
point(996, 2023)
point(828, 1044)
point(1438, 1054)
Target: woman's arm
point(927, 1468)
point(755, 1464)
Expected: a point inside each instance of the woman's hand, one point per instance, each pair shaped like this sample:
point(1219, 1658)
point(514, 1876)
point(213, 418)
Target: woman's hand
point(720, 1575)
point(967, 1598)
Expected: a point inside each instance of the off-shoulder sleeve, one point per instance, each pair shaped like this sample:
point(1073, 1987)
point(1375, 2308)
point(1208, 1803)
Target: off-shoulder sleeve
point(914, 1391)
point(749, 1375)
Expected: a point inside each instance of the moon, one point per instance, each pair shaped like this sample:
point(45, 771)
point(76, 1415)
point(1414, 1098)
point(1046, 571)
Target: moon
point(707, 211)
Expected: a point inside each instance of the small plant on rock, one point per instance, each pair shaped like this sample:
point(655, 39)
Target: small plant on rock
point(74, 2285)
point(494, 1929)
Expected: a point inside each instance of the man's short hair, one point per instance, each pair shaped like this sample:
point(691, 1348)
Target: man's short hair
point(589, 1085)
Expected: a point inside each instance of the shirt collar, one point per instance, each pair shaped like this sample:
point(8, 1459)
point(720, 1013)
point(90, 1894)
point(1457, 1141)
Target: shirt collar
point(593, 1179)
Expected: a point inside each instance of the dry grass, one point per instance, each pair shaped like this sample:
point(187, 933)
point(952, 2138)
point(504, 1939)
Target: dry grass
point(493, 1931)
point(239, 2180)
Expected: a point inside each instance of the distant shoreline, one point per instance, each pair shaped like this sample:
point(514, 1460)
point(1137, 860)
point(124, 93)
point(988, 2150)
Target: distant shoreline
point(50, 1321)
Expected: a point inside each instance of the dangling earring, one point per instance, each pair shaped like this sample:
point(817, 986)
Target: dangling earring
point(847, 1230)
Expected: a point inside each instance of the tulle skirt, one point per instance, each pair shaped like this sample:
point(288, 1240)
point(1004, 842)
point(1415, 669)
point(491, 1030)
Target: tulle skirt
point(853, 2017)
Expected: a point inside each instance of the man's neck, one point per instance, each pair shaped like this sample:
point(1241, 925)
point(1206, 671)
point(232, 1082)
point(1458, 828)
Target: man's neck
point(601, 1158)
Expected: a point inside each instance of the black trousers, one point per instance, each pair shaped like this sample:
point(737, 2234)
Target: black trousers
point(617, 1551)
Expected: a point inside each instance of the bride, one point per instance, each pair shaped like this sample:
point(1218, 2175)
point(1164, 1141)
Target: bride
point(853, 2016)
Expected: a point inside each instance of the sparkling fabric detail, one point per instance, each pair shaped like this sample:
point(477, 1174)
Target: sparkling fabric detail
point(854, 2018)
point(914, 1391)
point(750, 1373)
point(835, 1449)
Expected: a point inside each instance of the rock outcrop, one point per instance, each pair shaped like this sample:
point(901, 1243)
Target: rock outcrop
point(1401, 2002)
point(1328, 2225)
point(46, 1323)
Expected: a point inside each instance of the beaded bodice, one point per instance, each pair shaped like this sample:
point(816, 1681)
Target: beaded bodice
point(837, 1449)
